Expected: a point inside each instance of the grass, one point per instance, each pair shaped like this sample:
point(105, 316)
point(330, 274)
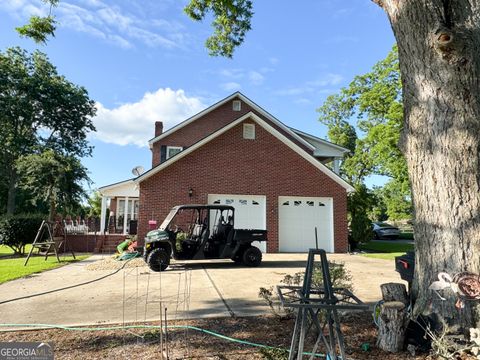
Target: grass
point(12, 268)
point(6, 251)
point(384, 256)
point(406, 235)
point(385, 250)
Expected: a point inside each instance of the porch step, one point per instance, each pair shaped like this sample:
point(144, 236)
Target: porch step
point(110, 243)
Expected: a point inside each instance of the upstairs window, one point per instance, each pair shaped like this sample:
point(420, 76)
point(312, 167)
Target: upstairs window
point(249, 131)
point(173, 150)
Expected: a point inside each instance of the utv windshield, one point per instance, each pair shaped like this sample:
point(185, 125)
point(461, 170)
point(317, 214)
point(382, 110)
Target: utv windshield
point(167, 220)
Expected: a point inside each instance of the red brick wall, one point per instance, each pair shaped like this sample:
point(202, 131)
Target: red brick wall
point(204, 126)
point(81, 242)
point(230, 164)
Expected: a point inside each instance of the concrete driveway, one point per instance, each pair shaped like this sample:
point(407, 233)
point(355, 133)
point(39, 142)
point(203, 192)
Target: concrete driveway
point(186, 289)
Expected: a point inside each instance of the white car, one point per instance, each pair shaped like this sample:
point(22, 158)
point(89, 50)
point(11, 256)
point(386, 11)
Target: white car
point(383, 230)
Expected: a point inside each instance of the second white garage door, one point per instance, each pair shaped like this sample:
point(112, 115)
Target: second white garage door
point(249, 212)
point(298, 217)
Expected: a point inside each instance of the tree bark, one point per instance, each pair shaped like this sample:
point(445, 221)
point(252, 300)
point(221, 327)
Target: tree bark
point(391, 326)
point(439, 47)
point(12, 191)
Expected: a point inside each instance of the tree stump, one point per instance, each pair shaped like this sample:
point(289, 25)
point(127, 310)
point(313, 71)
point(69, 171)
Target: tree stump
point(394, 292)
point(392, 322)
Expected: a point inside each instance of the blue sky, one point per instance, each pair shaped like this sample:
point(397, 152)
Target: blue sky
point(143, 61)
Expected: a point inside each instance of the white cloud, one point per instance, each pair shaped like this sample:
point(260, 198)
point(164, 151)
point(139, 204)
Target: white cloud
point(256, 78)
point(104, 21)
point(312, 86)
point(231, 86)
point(133, 123)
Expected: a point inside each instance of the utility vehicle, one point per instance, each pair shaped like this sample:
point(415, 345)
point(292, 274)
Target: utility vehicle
point(194, 232)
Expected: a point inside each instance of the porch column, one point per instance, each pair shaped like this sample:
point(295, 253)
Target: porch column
point(125, 213)
point(103, 213)
point(336, 165)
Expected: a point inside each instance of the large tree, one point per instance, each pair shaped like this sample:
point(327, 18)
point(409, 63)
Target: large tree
point(438, 44)
point(39, 110)
point(54, 179)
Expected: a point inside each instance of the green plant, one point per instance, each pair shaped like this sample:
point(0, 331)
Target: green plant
point(18, 230)
point(274, 354)
point(181, 236)
point(339, 275)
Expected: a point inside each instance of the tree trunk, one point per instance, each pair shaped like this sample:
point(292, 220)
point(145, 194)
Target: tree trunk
point(439, 47)
point(394, 292)
point(12, 191)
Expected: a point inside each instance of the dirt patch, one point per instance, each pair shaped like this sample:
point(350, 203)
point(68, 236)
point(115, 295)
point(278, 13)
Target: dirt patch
point(191, 344)
point(111, 263)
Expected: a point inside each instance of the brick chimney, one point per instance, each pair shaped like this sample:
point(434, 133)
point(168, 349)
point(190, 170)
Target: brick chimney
point(158, 128)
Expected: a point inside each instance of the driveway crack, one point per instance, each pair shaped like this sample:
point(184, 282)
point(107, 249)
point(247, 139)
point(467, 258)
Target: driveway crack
point(229, 309)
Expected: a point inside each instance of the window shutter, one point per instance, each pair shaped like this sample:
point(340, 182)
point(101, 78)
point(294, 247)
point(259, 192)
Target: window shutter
point(163, 153)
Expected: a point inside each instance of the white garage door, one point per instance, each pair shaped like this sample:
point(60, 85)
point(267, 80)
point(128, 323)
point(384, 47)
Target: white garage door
point(298, 217)
point(249, 212)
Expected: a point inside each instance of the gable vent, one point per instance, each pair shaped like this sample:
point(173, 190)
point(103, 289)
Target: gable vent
point(237, 105)
point(249, 131)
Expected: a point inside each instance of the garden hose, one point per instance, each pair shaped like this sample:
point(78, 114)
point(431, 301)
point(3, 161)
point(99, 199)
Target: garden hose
point(187, 327)
point(67, 287)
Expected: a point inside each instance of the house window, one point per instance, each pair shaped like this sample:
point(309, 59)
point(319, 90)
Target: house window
point(173, 150)
point(237, 105)
point(249, 131)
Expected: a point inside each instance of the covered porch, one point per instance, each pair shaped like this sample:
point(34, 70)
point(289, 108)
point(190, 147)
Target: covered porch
point(119, 212)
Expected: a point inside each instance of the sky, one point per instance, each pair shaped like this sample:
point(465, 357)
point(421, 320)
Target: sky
point(145, 61)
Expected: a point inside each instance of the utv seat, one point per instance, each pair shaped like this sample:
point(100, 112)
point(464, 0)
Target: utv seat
point(197, 231)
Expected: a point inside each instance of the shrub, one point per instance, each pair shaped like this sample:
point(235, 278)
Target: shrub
point(18, 230)
point(339, 275)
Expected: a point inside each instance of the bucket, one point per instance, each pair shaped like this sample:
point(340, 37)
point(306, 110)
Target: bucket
point(152, 224)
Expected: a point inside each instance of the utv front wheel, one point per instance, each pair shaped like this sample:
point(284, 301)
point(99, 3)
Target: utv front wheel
point(158, 259)
point(252, 256)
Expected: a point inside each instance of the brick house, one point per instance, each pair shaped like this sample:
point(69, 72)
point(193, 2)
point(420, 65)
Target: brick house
point(236, 153)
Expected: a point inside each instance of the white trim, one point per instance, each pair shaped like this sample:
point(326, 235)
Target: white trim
point(112, 186)
point(224, 101)
point(103, 214)
point(268, 128)
point(170, 148)
point(323, 141)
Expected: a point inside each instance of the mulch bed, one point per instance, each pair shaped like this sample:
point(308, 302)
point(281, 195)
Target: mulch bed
point(358, 329)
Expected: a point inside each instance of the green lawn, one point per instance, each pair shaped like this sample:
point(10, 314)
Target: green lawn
point(385, 250)
point(12, 268)
point(6, 251)
point(406, 235)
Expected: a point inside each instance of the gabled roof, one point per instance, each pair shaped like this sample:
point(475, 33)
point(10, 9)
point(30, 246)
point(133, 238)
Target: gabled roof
point(320, 140)
point(250, 115)
point(246, 100)
point(121, 188)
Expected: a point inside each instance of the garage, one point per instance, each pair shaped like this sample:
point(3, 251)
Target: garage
point(249, 211)
point(298, 217)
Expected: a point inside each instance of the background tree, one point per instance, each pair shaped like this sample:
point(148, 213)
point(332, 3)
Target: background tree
point(360, 204)
point(39, 110)
point(53, 178)
point(374, 99)
point(94, 207)
point(438, 44)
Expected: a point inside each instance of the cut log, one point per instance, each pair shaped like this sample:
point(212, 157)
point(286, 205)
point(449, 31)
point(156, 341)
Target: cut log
point(394, 292)
point(391, 326)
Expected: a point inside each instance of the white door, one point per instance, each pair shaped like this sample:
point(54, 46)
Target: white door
point(249, 212)
point(297, 219)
